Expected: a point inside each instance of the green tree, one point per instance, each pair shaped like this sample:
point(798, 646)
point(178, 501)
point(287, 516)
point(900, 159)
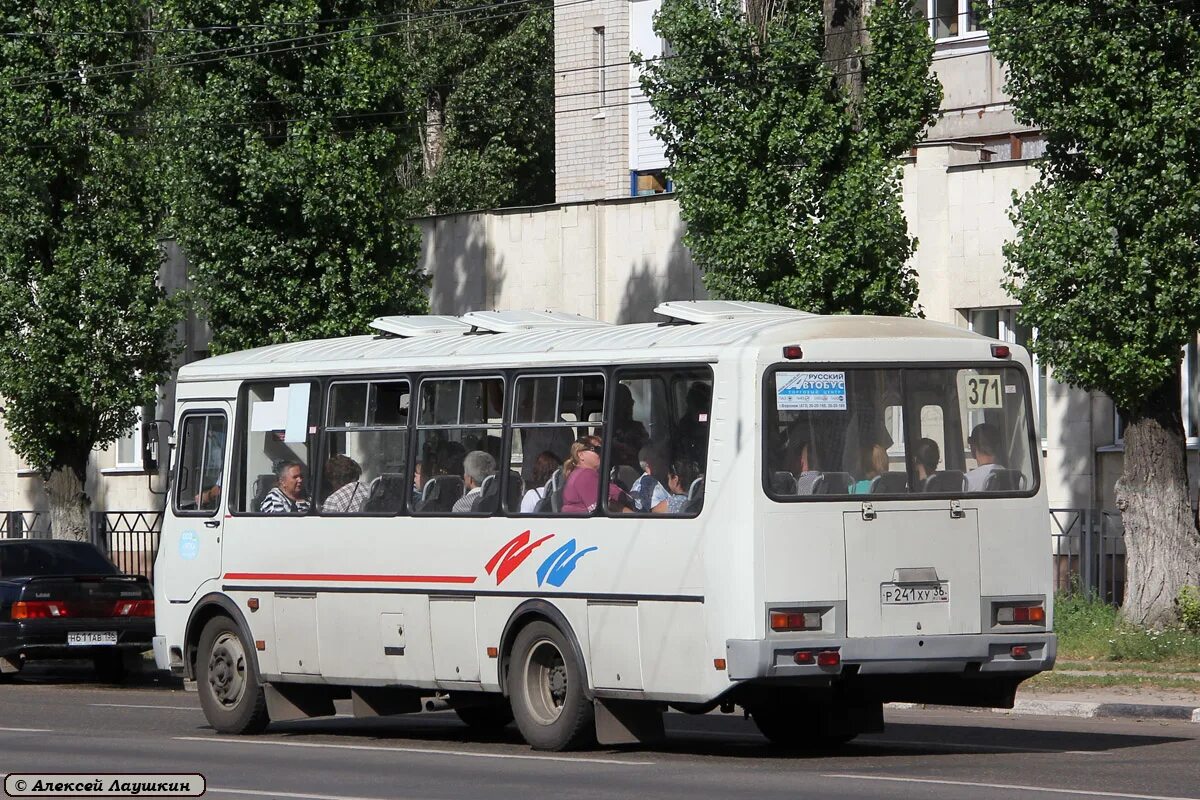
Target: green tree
point(287, 137)
point(784, 125)
point(485, 77)
point(1107, 259)
point(85, 330)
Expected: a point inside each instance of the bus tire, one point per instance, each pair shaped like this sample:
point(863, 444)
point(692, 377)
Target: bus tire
point(489, 716)
point(546, 687)
point(227, 680)
point(794, 726)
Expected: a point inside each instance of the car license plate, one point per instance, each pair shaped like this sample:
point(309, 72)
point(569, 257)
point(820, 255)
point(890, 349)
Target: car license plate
point(892, 595)
point(91, 638)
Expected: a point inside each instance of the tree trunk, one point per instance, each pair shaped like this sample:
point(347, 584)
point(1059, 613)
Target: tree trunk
point(1162, 544)
point(845, 37)
point(69, 505)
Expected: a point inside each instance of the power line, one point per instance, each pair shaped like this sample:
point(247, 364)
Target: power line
point(277, 46)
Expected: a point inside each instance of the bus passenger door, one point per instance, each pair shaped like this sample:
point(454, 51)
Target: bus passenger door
point(193, 539)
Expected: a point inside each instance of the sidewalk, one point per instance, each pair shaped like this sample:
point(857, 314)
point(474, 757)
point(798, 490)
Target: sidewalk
point(1114, 702)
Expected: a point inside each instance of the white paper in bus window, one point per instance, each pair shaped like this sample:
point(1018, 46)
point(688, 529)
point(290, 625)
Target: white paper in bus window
point(810, 391)
point(270, 415)
point(981, 391)
point(297, 413)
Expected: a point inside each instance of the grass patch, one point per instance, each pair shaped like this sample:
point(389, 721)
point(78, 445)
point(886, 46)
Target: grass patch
point(1091, 630)
point(1175, 666)
point(1056, 681)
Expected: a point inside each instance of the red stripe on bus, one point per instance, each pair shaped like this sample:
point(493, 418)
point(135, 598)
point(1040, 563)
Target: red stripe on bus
point(296, 576)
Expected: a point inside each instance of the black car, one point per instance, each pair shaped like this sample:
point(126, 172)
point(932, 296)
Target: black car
point(64, 599)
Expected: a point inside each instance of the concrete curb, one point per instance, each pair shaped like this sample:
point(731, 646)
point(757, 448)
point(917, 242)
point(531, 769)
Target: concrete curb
point(1086, 710)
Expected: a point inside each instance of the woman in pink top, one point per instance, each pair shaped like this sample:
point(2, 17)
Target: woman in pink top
point(581, 493)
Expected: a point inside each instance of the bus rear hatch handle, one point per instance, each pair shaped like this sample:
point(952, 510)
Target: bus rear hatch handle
point(956, 510)
point(868, 511)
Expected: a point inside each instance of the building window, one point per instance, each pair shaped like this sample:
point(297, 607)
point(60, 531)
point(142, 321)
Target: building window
point(1002, 324)
point(601, 60)
point(129, 447)
point(952, 19)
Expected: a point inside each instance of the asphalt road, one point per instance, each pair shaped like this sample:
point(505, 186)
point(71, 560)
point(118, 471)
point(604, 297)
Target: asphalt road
point(67, 722)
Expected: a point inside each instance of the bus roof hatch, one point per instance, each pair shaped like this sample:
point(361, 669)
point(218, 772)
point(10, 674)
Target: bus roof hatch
point(509, 321)
point(698, 311)
point(417, 325)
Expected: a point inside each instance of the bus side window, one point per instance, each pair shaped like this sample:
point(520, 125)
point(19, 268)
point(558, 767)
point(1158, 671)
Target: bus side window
point(281, 424)
point(366, 445)
point(659, 445)
point(201, 463)
point(459, 429)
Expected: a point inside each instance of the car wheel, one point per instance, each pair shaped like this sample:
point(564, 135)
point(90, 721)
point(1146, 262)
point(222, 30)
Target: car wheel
point(490, 715)
point(227, 680)
point(546, 687)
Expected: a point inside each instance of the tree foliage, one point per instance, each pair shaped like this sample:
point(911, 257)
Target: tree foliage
point(85, 330)
point(285, 163)
point(486, 77)
point(1107, 259)
point(788, 175)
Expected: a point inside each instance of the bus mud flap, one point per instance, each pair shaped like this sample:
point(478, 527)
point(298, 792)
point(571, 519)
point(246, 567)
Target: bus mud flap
point(628, 722)
point(287, 701)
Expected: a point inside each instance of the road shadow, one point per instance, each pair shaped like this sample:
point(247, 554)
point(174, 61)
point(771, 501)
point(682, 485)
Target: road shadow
point(733, 737)
point(80, 672)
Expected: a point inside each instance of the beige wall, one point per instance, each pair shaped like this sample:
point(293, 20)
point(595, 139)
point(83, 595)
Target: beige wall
point(613, 260)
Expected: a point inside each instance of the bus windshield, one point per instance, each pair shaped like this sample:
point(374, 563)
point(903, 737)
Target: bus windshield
point(899, 431)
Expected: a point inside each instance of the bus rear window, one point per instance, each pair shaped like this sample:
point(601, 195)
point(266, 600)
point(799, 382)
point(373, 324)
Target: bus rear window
point(941, 431)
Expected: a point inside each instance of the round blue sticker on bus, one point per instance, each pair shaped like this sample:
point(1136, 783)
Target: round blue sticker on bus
point(189, 545)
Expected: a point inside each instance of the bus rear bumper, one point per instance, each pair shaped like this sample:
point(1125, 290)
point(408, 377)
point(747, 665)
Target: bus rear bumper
point(987, 654)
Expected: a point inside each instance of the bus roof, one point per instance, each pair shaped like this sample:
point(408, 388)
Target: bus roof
point(599, 344)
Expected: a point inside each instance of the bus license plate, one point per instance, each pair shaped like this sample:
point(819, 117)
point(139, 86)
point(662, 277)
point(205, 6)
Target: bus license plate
point(91, 638)
point(892, 595)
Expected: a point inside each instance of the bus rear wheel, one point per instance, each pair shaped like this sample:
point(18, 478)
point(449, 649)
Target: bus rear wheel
point(800, 726)
point(227, 680)
point(546, 687)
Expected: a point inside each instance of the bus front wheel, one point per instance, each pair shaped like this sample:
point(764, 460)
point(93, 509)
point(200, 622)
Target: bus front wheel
point(546, 687)
point(227, 680)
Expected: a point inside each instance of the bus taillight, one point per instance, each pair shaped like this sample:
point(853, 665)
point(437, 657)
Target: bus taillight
point(1021, 615)
point(782, 621)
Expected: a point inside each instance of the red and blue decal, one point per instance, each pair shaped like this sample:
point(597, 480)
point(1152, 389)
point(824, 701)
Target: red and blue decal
point(555, 570)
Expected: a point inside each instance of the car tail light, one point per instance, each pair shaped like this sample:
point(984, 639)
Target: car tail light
point(1001, 351)
point(133, 608)
point(804, 657)
point(799, 620)
point(40, 609)
point(1020, 651)
point(1021, 615)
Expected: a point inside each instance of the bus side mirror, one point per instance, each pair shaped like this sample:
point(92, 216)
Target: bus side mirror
point(150, 443)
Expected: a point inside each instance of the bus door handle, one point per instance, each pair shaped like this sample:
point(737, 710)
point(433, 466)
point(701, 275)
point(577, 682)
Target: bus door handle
point(212, 523)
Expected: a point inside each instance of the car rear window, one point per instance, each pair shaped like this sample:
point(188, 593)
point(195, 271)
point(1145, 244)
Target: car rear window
point(20, 559)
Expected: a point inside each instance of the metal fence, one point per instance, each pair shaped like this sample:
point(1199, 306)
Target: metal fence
point(130, 538)
point(1089, 552)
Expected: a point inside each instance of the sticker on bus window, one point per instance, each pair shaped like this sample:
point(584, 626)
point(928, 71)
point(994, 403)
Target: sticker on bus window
point(810, 391)
point(981, 391)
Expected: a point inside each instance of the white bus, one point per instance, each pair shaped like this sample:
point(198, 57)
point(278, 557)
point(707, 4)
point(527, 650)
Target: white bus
point(577, 524)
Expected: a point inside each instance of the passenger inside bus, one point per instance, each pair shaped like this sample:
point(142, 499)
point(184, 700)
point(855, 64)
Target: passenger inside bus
point(649, 492)
point(347, 493)
point(925, 459)
point(629, 434)
point(874, 464)
point(543, 469)
point(985, 449)
point(685, 484)
point(477, 467)
point(288, 495)
point(691, 432)
point(581, 493)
